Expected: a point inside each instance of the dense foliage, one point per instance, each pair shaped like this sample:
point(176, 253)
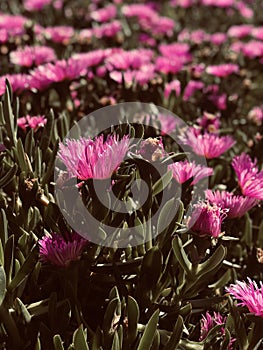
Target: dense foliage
point(187, 287)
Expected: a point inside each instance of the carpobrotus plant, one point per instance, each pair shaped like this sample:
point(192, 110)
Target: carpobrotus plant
point(176, 201)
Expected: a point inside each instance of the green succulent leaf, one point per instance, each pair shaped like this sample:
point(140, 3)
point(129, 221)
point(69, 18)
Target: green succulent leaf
point(149, 332)
point(79, 339)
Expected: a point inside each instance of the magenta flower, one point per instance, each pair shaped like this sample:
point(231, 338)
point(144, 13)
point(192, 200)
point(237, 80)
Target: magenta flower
point(250, 179)
point(44, 75)
point(256, 115)
point(237, 206)
point(104, 14)
point(87, 158)
point(222, 70)
point(32, 55)
point(191, 87)
point(59, 34)
point(249, 294)
point(132, 59)
point(142, 76)
point(183, 171)
point(218, 38)
point(252, 49)
point(55, 250)
point(210, 321)
point(18, 82)
point(209, 122)
point(174, 85)
point(14, 24)
point(157, 25)
point(207, 144)
point(138, 10)
point(36, 5)
point(167, 65)
point(257, 33)
point(240, 31)
point(34, 122)
point(177, 49)
point(107, 30)
point(218, 3)
point(206, 219)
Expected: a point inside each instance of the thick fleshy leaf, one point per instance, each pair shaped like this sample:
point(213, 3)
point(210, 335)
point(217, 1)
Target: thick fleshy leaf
point(149, 332)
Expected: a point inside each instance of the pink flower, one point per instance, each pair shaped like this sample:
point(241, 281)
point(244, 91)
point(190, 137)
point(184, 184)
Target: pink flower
point(133, 59)
point(249, 294)
point(36, 5)
point(56, 250)
point(138, 10)
point(183, 171)
point(237, 205)
point(182, 3)
point(256, 115)
point(218, 38)
point(104, 14)
point(32, 55)
point(107, 30)
point(167, 65)
point(209, 122)
point(18, 82)
point(34, 123)
point(207, 144)
point(157, 25)
point(87, 158)
point(142, 76)
point(14, 24)
point(95, 57)
point(257, 33)
point(240, 31)
point(218, 3)
point(222, 70)
point(44, 75)
point(244, 10)
point(59, 34)
point(210, 321)
point(167, 123)
point(250, 179)
point(174, 85)
point(180, 49)
point(191, 87)
point(252, 49)
point(206, 219)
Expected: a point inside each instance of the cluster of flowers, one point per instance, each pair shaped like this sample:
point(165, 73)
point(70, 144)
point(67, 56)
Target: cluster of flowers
point(170, 64)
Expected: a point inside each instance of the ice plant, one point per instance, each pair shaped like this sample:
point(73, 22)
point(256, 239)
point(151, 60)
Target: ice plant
point(249, 294)
point(56, 250)
point(32, 55)
point(86, 158)
point(191, 87)
point(250, 179)
point(36, 5)
point(174, 85)
point(183, 171)
point(209, 122)
point(34, 122)
point(237, 205)
point(207, 144)
point(222, 70)
point(206, 219)
point(209, 321)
